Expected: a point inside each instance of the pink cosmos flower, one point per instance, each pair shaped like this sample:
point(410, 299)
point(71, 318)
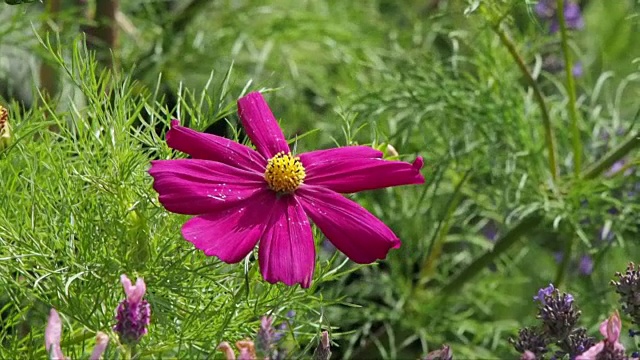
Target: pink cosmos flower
point(610, 329)
point(242, 196)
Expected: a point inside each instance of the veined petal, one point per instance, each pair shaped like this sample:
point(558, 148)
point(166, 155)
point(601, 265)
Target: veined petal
point(287, 252)
point(216, 148)
point(134, 292)
point(193, 187)
point(358, 174)
point(313, 158)
point(232, 233)
point(350, 227)
point(261, 126)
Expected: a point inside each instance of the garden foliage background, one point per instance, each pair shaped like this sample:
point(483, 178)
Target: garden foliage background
point(437, 78)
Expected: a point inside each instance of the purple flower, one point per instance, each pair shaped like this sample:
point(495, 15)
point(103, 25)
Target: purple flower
point(134, 313)
point(490, 230)
point(266, 337)
point(586, 265)
point(617, 167)
point(554, 64)
point(557, 312)
point(577, 69)
point(543, 293)
point(546, 11)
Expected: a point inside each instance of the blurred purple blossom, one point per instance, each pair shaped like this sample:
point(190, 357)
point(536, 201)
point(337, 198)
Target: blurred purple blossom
point(546, 11)
point(585, 266)
point(554, 64)
point(617, 167)
point(490, 230)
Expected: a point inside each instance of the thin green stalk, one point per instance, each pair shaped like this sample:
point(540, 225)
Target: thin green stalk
point(546, 119)
point(435, 247)
point(571, 90)
point(502, 245)
point(611, 157)
point(566, 260)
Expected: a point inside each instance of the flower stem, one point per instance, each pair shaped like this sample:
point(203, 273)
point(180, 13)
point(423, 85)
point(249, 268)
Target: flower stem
point(614, 155)
point(571, 90)
point(503, 244)
point(546, 119)
point(566, 260)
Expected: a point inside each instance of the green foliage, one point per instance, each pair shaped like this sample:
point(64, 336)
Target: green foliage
point(455, 83)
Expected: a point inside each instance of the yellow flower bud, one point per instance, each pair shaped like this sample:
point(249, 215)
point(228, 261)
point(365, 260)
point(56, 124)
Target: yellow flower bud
point(5, 131)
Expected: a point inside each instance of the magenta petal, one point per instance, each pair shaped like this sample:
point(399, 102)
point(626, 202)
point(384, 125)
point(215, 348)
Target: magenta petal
point(191, 186)
point(350, 227)
point(287, 252)
point(261, 126)
point(231, 234)
point(341, 153)
point(357, 174)
point(216, 148)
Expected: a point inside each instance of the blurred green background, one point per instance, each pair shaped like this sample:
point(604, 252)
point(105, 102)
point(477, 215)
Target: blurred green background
point(431, 78)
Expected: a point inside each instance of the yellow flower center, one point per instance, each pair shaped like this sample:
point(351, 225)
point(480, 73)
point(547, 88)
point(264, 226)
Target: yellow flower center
point(284, 173)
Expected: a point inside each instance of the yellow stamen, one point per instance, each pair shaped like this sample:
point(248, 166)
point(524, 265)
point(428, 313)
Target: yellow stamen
point(284, 173)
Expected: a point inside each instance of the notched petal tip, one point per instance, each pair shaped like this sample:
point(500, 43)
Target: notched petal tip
point(175, 122)
point(134, 292)
point(418, 163)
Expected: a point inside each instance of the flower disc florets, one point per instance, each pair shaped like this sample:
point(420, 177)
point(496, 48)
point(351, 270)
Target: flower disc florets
point(284, 173)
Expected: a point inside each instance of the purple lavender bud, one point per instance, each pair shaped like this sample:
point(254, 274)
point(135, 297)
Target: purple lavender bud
point(532, 340)
point(546, 11)
point(265, 337)
point(557, 256)
point(628, 287)
point(573, 16)
point(586, 265)
point(543, 293)
point(577, 70)
point(133, 313)
point(558, 314)
point(578, 342)
point(490, 230)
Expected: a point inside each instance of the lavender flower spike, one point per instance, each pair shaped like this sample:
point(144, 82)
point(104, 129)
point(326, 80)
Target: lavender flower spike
point(52, 335)
point(134, 313)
